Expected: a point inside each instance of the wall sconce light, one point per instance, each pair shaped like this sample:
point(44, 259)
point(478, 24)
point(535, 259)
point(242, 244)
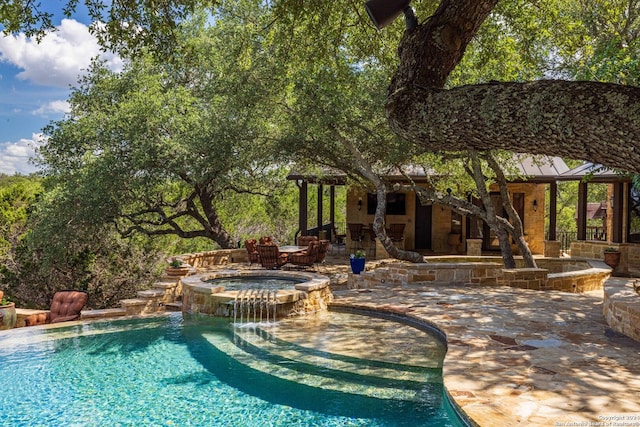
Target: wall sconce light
point(383, 12)
point(611, 201)
point(360, 203)
point(535, 205)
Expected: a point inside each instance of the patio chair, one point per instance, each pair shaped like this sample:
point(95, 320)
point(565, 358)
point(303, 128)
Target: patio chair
point(307, 257)
point(355, 234)
point(266, 240)
point(270, 257)
point(323, 248)
point(396, 233)
point(305, 240)
point(252, 251)
point(66, 306)
point(372, 240)
point(337, 239)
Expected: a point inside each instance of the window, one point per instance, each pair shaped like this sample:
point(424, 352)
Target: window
point(395, 203)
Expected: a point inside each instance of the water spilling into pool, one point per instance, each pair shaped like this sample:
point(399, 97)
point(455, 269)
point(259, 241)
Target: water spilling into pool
point(335, 370)
point(257, 305)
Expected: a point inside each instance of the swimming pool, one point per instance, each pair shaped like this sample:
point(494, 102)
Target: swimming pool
point(201, 371)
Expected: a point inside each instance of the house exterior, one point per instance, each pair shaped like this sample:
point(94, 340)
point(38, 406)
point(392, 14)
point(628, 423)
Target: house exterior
point(438, 230)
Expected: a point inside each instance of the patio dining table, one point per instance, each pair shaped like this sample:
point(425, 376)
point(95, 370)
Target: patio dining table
point(292, 249)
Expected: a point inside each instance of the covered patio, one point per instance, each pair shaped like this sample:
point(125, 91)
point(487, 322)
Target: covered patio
point(432, 229)
point(622, 224)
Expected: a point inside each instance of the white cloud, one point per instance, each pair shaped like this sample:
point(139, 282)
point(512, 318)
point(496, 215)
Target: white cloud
point(53, 107)
point(14, 156)
point(59, 58)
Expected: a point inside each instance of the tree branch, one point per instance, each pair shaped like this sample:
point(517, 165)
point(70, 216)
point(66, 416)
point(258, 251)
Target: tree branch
point(591, 121)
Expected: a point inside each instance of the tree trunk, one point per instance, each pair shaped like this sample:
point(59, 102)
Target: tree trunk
point(516, 231)
point(213, 225)
point(497, 224)
point(364, 168)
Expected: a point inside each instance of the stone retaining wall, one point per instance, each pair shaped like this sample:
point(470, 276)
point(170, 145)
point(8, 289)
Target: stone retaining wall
point(217, 257)
point(621, 307)
point(629, 254)
point(569, 275)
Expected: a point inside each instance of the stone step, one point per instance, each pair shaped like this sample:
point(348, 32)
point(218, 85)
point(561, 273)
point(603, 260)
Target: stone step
point(102, 314)
point(151, 293)
point(135, 306)
point(165, 284)
point(255, 340)
point(321, 376)
point(173, 306)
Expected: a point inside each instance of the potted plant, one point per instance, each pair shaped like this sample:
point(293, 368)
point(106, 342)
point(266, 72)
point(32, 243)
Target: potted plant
point(357, 261)
point(7, 313)
point(177, 267)
point(611, 257)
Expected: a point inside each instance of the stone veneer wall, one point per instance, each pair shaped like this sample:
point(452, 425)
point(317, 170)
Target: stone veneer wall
point(578, 281)
point(590, 249)
point(200, 296)
point(630, 259)
point(569, 276)
point(621, 307)
point(629, 254)
point(217, 257)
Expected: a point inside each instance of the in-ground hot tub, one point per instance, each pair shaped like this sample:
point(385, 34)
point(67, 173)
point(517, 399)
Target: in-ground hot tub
point(255, 295)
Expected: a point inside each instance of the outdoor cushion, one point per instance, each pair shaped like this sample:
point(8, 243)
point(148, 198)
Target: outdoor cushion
point(66, 306)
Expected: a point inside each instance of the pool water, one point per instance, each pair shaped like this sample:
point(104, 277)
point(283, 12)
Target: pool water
point(254, 283)
point(166, 371)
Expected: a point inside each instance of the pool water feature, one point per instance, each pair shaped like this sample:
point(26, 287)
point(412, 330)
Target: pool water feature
point(255, 296)
point(204, 371)
point(242, 293)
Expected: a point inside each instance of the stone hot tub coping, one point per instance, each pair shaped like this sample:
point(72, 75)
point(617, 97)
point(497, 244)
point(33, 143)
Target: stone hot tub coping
point(199, 282)
point(201, 296)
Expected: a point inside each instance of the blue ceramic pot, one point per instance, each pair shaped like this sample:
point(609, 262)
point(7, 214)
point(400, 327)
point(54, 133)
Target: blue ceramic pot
point(357, 265)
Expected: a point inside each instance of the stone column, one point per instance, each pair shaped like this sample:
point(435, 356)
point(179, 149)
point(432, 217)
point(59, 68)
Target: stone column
point(474, 247)
point(552, 248)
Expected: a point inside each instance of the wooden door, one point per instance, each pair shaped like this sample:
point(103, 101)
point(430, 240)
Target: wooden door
point(423, 226)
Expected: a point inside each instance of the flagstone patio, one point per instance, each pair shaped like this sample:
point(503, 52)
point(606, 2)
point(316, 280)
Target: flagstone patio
point(516, 357)
point(520, 357)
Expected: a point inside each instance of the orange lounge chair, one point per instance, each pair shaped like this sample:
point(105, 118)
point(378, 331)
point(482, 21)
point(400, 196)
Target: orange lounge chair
point(66, 306)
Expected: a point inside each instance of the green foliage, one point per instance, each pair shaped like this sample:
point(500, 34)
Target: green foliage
point(61, 253)
point(359, 254)
point(156, 148)
point(155, 21)
point(17, 193)
point(598, 40)
point(510, 46)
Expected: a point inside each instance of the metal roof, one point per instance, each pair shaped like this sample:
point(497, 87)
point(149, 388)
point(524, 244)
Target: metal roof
point(542, 168)
point(538, 169)
point(598, 173)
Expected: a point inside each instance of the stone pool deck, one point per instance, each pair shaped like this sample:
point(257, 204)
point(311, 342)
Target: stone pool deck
point(519, 357)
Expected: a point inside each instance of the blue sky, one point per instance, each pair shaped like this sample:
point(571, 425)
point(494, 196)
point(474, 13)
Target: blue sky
point(35, 82)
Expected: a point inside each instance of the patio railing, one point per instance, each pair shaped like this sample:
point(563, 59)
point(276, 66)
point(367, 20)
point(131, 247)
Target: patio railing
point(566, 237)
point(340, 229)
